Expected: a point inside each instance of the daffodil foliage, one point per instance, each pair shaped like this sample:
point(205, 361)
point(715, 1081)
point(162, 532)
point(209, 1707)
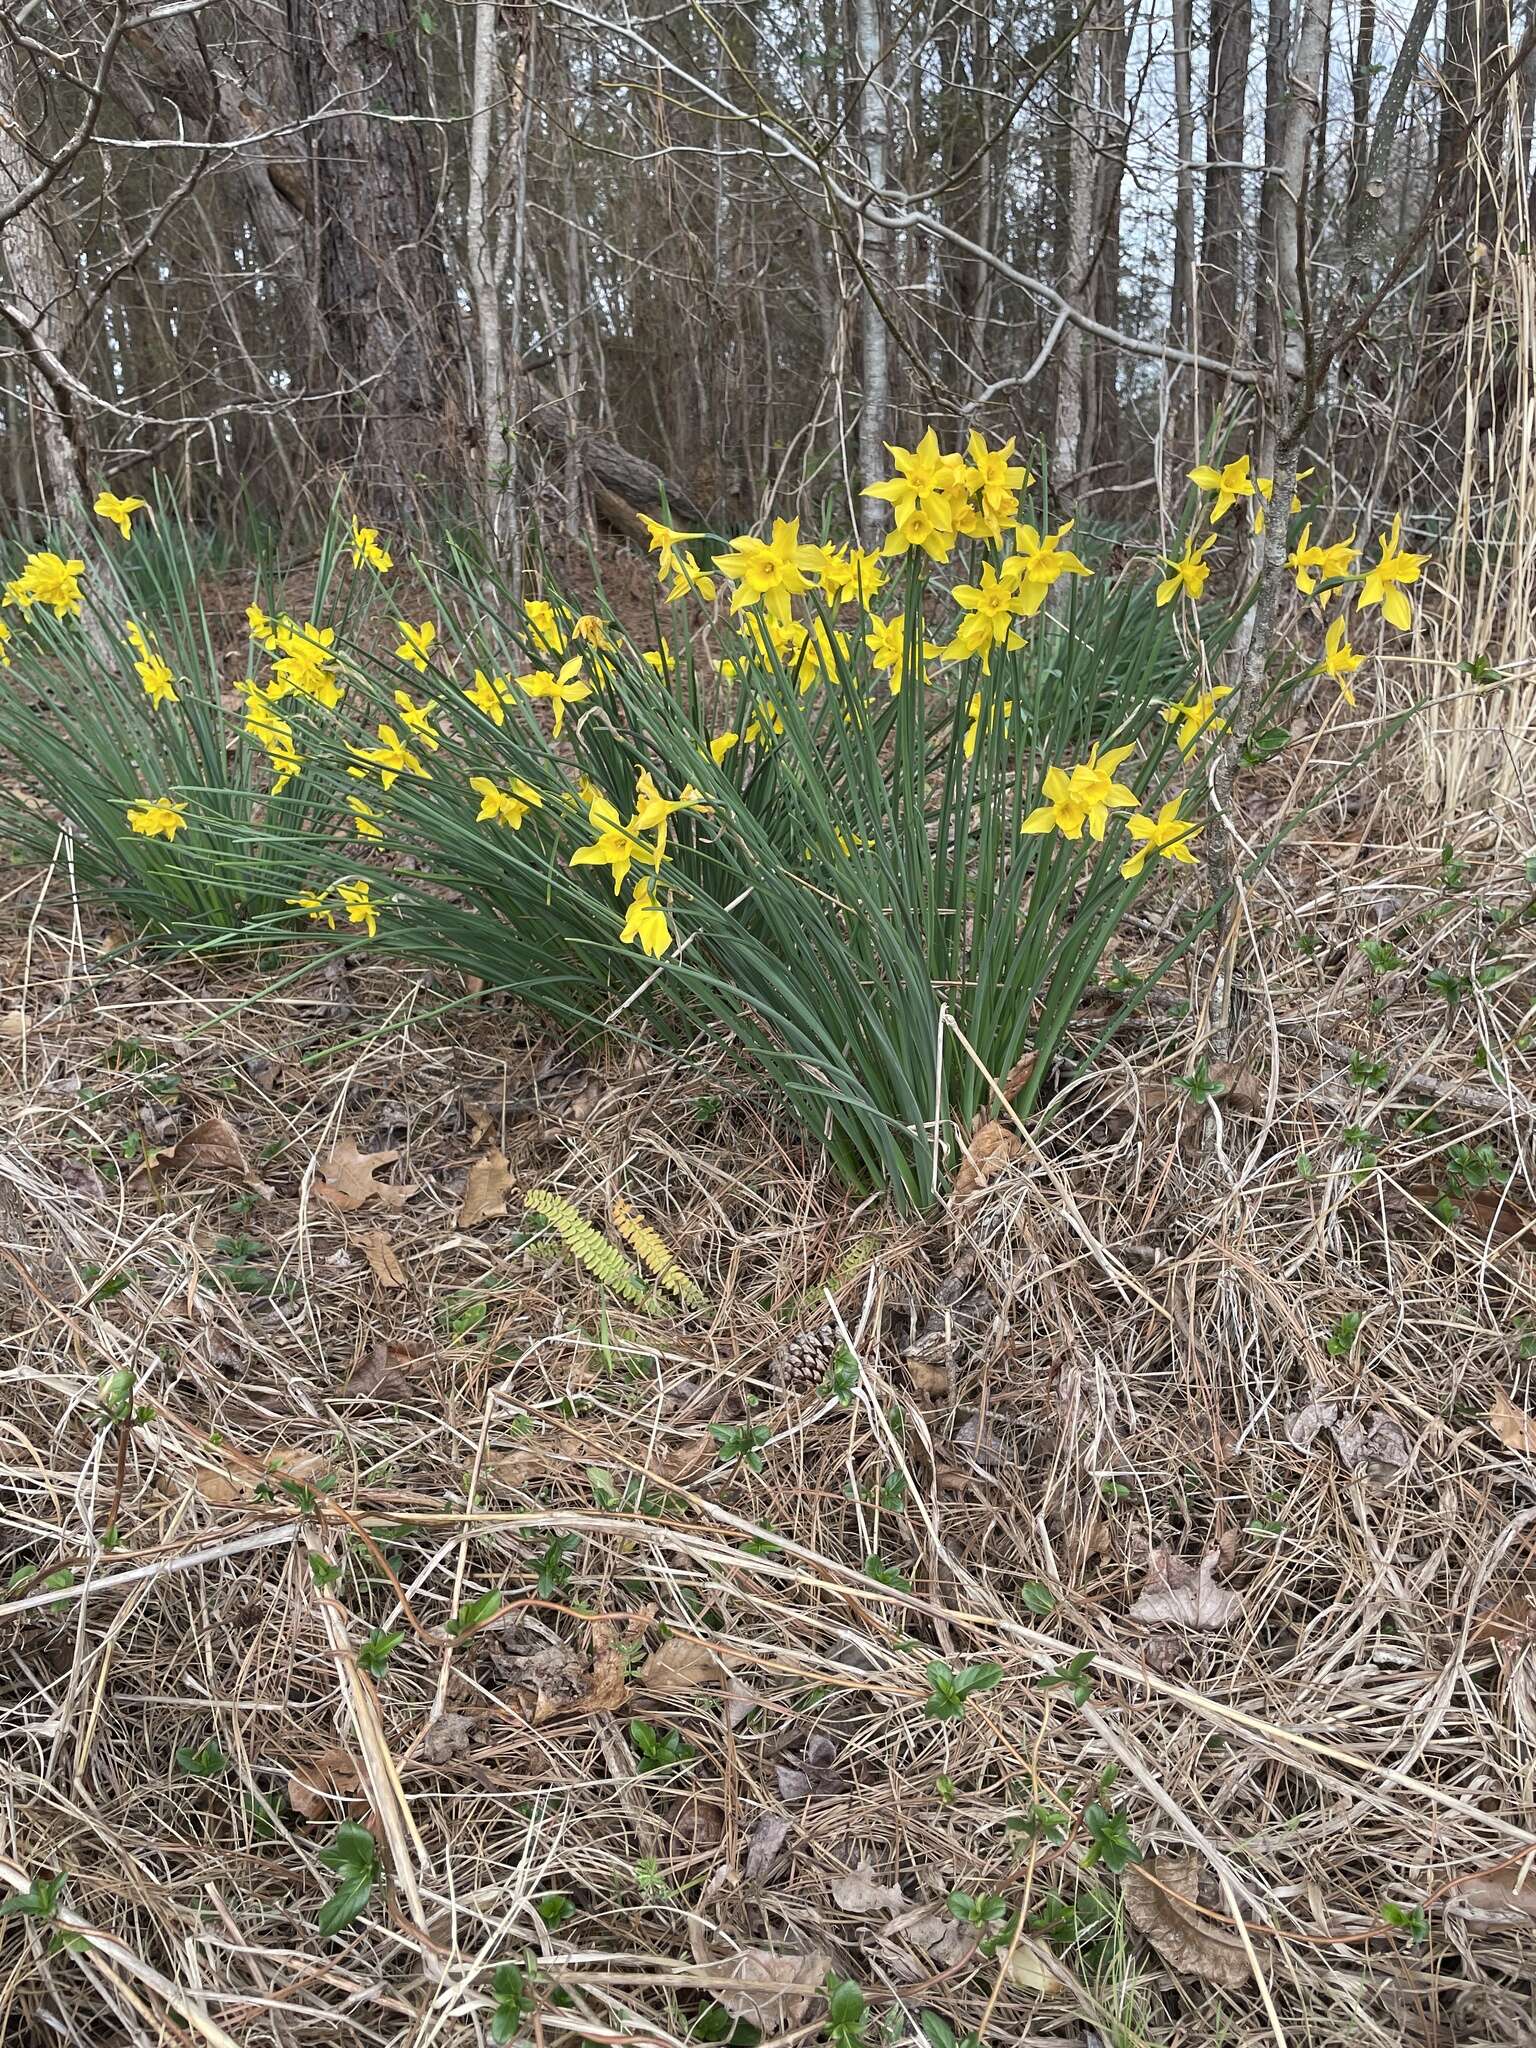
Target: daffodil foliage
point(873, 817)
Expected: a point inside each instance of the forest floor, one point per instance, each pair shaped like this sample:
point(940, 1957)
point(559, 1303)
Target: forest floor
point(1190, 1444)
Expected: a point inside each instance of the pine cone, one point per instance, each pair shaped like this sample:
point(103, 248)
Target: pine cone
point(806, 1359)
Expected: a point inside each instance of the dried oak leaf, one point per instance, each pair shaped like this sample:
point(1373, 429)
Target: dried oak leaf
point(486, 1187)
point(1511, 1425)
point(772, 1993)
point(328, 1779)
point(346, 1179)
point(556, 1681)
point(679, 1666)
point(989, 1151)
point(1502, 1900)
point(1177, 1594)
point(856, 1891)
point(1158, 1897)
point(210, 1147)
point(1371, 1439)
point(390, 1372)
point(764, 1845)
point(383, 1264)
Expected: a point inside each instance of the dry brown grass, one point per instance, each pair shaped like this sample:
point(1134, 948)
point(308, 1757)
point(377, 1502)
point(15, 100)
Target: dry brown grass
point(1143, 1307)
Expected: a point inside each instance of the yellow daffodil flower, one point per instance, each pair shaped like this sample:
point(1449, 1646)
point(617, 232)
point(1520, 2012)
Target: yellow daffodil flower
point(160, 818)
point(1188, 573)
point(652, 810)
point(263, 629)
point(363, 816)
point(1085, 796)
point(769, 572)
point(416, 644)
point(366, 548)
point(973, 711)
point(544, 627)
point(1197, 718)
point(665, 542)
point(1229, 484)
point(1038, 563)
point(360, 906)
point(490, 694)
point(923, 528)
point(275, 734)
point(119, 511)
point(562, 689)
point(1167, 835)
point(1340, 661)
point(1383, 580)
point(505, 806)
point(1313, 563)
point(318, 907)
point(690, 577)
point(592, 631)
point(5, 634)
point(722, 744)
point(392, 757)
point(615, 846)
point(47, 579)
point(417, 719)
point(919, 483)
point(647, 922)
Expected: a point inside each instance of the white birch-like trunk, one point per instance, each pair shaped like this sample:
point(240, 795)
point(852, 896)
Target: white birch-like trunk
point(874, 341)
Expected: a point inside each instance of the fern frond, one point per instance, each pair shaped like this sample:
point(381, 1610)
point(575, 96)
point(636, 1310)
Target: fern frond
point(653, 1252)
point(588, 1247)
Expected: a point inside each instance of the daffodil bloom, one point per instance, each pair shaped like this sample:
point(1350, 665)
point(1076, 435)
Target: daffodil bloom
point(995, 479)
point(1229, 484)
point(850, 575)
point(767, 724)
point(47, 579)
point(417, 719)
point(973, 711)
point(1340, 661)
point(1266, 489)
point(305, 663)
point(1085, 796)
point(615, 846)
point(318, 907)
point(1188, 573)
point(416, 644)
point(490, 694)
point(360, 907)
point(1313, 563)
point(921, 475)
point(690, 577)
point(593, 632)
point(161, 818)
point(665, 542)
point(152, 672)
point(392, 757)
point(663, 660)
point(769, 572)
point(722, 744)
point(887, 644)
point(504, 806)
point(119, 510)
point(263, 629)
point(363, 816)
point(923, 528)
point(1197, 718)
point(562, 689)
point(652, 810)
point(1039, 561)
point(544, 627)
point(1167, 835)
point(366, 548)
point(994, 602)
point(5, 634)
point(275, 734)
point(1383, 580)
point(646, 921)
point(972, 637)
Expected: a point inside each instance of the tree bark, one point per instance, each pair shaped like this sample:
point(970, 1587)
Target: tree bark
point(382, 281)
point(1067, 447)
point(1220, 286)
point(874, 341)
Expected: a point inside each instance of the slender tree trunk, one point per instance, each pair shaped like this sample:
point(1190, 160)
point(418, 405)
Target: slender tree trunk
point(36, 288)
point(1360, 122)
point(1106, 450)
point(1181, 310)
point(874, 341)
point(483, 246)
point(1072, 359)
point(1220, 291)
point(385, 298)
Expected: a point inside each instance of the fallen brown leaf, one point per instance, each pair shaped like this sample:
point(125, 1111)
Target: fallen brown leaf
point(212, 1147)
point(329, 1779)
point(229, 1483)
point(1185, 1938)
point(390, 1372)
point(678, 1667)
point(856, 1891)
point(1506, 1899)
point(380, 1254)
point(485, 1189)
point(989, 1151)
point(1370, 1440)
point(1177, 1594)
point(764, 1845)
point(346, 1179)
point(772, 1993)
point(1511, 1425)
point(555, 1681)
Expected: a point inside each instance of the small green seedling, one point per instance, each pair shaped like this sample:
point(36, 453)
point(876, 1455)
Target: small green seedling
point(952, 1689)
point(354, 1856)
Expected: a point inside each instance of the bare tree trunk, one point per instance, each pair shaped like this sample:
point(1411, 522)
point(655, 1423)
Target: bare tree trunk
point(36, 298)
point(1068, 455)
point(874, 342)
point(1105, 449)
point(482, 246)
point(1360, 124)
point(1220, 289)
point(385, 297)
point(1181, 320)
